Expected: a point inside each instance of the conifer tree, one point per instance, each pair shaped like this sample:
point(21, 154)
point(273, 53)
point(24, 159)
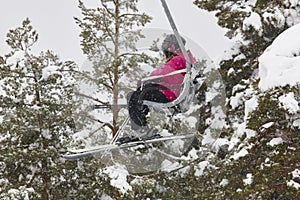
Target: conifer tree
point(108, 38)
point(265, 171)
point(253, 25)
point(36, 120)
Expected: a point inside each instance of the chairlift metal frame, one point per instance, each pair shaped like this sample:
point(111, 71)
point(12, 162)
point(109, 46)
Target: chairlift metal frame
point(191, 71)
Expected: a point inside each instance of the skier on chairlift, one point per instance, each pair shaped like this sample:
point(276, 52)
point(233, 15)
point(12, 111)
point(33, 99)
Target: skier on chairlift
point(166, 89)
point(162, 90)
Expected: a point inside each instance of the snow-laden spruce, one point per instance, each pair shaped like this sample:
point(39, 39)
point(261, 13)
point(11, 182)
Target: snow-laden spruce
point(279, 65)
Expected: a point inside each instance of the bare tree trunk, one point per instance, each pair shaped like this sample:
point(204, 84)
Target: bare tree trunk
point(116, 69)
point(46, 182)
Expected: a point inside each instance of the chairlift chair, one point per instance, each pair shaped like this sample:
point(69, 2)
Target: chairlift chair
point(182, 103)
point(187, 93)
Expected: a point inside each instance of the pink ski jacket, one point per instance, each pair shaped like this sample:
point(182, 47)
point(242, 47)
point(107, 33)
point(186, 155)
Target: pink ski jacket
point(173, 81)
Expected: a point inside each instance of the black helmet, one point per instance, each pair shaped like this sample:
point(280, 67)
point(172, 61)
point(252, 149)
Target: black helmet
point(170, 44)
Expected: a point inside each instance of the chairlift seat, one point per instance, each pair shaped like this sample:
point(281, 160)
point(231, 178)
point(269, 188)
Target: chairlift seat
point(182, 103)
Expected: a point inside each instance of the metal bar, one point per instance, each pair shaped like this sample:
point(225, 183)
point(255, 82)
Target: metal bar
point(165, 75)
point(172, 23)
point(125, 122)
point(109, 106)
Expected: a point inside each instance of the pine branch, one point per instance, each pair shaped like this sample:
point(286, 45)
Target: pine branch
point(92, 98)
point(106, 8)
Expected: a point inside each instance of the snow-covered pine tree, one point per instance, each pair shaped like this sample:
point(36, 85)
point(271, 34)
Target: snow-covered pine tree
point(109, 35)
point(253, 169)
point(254, 25)
point(36, 105)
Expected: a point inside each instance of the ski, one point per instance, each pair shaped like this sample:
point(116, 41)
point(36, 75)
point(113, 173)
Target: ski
point(75, 154)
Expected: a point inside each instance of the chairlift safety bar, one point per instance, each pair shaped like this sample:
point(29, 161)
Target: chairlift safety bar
point(165, 75)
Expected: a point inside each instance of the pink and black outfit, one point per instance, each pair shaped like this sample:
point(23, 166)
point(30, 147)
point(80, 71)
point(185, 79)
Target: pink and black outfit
point(162, 90)
point(172, 82)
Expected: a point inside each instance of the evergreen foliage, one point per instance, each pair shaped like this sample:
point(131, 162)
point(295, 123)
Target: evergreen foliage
point(108, 39)
point(256, 167)
point(265, 169)
point(36, 117)
point(256, 26)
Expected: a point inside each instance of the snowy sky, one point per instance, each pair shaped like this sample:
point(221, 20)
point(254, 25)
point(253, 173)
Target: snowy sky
point(57, 29)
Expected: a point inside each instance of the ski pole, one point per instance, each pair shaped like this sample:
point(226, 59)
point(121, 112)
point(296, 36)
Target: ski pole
point(109, 106)
point(125, 122)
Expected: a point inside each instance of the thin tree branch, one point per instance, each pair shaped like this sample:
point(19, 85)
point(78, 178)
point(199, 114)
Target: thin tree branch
point(92, 98)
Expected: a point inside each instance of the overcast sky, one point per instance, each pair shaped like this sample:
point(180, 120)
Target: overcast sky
point(53, 20)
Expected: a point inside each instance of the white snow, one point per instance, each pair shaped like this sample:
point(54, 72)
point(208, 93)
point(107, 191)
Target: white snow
point(278, 14)
point(251, 3)
point(289, 102)
point(275, 141)
point(248, 180)
point(292, 14)
point(267, 125)
point(239, 57)
point(252, 21)
point(21, 192)
point(250, 105)
point(235, 101)
point(213, 91)
point(279, 65)
point(250, 102)
point(224, 182)
point(292, 183)
point(296, 123)
point(192, 121)
point(240, 130)
point(220, 142)
point(118, 174)
point(291, 2)
point(17, 57)
point(50, 70)
point(230, 71)
point(106, 197)
point(207, 138)
point(296, 173)
point(201, 166)
point(218, 119)
point(241, 153)
point(193, 154)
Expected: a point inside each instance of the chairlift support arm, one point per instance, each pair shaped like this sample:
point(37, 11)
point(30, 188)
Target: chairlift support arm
point(187, 79)
point(178, 38)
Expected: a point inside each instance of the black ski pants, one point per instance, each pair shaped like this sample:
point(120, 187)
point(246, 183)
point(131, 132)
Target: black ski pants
point(138, 111)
